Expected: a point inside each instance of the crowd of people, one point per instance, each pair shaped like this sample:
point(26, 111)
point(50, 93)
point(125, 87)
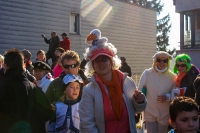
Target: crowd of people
point(97, 94)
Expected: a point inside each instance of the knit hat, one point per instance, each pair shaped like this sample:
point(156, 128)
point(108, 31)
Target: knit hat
point(60, 49)
point(99, 46)
point(26, 53)
point(41, 65)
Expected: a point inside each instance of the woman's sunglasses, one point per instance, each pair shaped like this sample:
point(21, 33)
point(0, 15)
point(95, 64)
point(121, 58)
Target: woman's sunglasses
point(180, 65)
point(70, 66)
point(160, 60)
point(104, 59)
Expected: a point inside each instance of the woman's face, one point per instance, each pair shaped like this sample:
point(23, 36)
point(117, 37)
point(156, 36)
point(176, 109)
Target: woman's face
point(162, 62)
point(187, 122)
point(41, 57)
point(72, 91)
point(39, 74)
point(102, 65)
point(181, 67)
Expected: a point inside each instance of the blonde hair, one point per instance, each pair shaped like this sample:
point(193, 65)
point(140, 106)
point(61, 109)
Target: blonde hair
point(116, 62)
point(1, 59)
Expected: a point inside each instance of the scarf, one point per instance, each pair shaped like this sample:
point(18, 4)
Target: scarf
point(115, 93)
point(27, 63)
point(179, 78)
point(44, 82)
point(160, 71)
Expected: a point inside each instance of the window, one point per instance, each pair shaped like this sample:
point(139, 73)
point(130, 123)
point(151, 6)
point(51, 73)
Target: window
point(75, 23)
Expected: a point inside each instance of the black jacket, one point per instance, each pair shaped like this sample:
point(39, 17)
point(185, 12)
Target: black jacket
point(188, 81)
point(53, 43)
point(14, 107)
point(30, 77)
point(197, 88)
point(126, 68)
point(13, 98)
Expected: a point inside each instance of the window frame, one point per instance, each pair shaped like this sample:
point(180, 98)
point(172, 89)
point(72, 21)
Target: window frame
point(77, 23)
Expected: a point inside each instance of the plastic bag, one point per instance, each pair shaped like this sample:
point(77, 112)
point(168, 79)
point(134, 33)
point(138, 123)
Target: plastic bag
point(140, 125)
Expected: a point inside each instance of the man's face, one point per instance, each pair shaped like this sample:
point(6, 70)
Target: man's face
point(26, 58)
point(53, 34)
point(67, 63)
point(63, 37)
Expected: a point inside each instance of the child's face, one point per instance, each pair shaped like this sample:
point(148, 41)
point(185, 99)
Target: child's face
point(72, 91)
point(187, 122)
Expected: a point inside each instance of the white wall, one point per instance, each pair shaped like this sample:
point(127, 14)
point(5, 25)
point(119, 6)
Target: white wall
point(130, 28)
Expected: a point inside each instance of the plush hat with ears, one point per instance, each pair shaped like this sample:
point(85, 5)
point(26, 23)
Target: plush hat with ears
point(99, 46)
point(161, 54)
point(93, 36)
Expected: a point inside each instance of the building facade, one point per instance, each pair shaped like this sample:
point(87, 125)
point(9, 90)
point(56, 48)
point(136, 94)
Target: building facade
point(189, 28)
point(130, 28)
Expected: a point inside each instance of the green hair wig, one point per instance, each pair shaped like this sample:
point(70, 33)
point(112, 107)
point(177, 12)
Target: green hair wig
point(182, 58)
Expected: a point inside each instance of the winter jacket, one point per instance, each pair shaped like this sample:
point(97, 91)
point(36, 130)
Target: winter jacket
point(56, 89)
point(126, 68)
point(30, 67)
point(57, 71)
point(174, 131)
point(13, 98)
point(30, 77)
point(65, 44)
point(187, 81)
point(61, 110)
point(91, 109)
point(157, 83)
point(197, 89)
point(53, 43)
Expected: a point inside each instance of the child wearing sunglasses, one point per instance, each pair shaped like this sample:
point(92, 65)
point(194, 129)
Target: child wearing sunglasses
point(67, 115)
point(186, 74)
point(184, 115)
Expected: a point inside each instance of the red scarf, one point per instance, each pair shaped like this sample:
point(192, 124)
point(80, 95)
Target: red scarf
point(27, 63)
point(115, 92)
point(179, 78)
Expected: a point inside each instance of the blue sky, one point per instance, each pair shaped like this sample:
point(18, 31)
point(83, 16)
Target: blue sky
point(175, 20)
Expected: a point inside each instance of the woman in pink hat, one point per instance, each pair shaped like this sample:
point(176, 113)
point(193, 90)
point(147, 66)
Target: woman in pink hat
point(110, 101)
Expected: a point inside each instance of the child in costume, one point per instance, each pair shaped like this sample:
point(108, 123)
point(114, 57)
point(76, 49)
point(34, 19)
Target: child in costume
point(67, 115)
point(184, 115)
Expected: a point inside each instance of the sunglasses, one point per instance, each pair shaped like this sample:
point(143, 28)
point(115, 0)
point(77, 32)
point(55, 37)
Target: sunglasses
point(70, 66)
point(160, 60)
point(101, 60)
point(180, 65)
